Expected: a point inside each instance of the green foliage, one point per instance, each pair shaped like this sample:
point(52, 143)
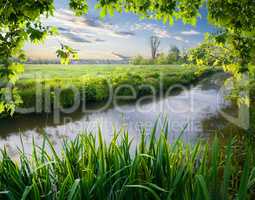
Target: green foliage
point(173, 57)
point(215, 51)
point(139, 60)
point(237, 20)
point(19, 22)
point(92, 81)
point(9, 97)
point(9, 100)
point(89, 168)
point(233, 15)
point(167, 11)
point(162, 59)
point(210, 53)
point(79, 6)
point(65, 53)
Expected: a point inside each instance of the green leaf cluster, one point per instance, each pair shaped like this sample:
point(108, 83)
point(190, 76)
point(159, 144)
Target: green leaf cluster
point(67, 53)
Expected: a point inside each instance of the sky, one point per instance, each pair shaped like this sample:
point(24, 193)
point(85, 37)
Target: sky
point(122, 35)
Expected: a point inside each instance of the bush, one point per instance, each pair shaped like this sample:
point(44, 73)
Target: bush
point(161, 59)
point(139, 60)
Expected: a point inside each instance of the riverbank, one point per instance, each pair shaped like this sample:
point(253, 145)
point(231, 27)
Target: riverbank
point(90, 168)
point(43, 85)
point(188, 108)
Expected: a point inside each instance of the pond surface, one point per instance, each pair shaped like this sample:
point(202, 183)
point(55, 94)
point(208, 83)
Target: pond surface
point(194, 108)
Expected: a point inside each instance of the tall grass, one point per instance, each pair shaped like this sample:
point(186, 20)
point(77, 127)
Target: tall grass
point(90, 168)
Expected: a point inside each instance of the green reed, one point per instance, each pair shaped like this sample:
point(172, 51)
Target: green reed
point(89, 168)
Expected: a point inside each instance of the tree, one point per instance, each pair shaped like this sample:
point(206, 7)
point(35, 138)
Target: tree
point(19, 22)
point(237, 21)
point(184, 56)
point(161, 59)
point(173, 55)
point(155, 42)
point(210, 53)
point(137, 60)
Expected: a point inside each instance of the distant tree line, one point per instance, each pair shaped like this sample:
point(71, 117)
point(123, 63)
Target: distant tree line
point(174, 55)
point(80, 61)
point(208, 53)
point(42, 61)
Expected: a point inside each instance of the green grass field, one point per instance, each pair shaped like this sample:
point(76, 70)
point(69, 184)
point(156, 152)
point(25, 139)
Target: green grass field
point(92, 81)
point(72, 71)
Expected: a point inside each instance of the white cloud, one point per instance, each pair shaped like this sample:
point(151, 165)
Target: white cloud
point(190, 32)
point(84, 29)
point(94, 36)
point(159, 31)
point(162, 33)
point(155, 29)
point(179, 38)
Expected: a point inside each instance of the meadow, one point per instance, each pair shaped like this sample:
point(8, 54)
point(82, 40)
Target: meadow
point(71, 71)
point(92, 81)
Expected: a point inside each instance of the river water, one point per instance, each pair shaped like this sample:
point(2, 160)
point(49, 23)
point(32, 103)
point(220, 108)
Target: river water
point(191, 108)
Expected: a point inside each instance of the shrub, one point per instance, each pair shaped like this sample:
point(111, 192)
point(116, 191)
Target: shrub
point(161, 59)
point(139, 60)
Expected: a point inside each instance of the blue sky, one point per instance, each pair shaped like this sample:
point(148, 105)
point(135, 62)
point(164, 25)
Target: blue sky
point(109, 38)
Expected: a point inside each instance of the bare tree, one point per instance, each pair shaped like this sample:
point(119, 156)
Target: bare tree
point(155, 42)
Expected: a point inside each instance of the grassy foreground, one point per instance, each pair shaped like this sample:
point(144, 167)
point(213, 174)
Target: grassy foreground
point(92, 80)
point(88, 168)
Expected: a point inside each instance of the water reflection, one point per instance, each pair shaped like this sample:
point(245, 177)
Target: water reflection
point(190, 107)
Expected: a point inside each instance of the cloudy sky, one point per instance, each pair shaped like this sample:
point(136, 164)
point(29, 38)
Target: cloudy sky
point(113, 37)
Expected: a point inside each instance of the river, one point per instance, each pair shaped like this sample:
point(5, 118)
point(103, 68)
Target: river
point(197, 108)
